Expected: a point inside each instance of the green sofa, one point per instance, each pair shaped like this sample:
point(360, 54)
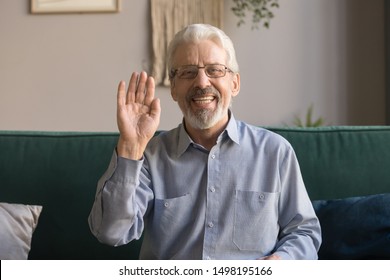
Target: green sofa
point(341, 167)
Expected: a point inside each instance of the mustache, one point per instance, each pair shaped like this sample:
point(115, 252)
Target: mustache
point(196, 92)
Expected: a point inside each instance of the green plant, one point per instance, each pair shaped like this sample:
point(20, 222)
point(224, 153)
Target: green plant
point(261, 11)
point(309, 122)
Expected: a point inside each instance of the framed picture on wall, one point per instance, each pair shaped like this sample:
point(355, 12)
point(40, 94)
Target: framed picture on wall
point(74, 6)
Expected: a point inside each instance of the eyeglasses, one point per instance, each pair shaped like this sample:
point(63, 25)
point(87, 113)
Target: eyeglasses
point(191, 71)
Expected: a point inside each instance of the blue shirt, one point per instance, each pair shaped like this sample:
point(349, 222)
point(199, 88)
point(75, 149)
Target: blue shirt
point(243, 199)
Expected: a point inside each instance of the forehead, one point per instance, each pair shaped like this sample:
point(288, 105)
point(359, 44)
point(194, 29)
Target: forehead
point(199, 53)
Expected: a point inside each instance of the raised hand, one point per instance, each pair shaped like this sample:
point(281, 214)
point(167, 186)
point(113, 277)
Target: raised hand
point(138, 115)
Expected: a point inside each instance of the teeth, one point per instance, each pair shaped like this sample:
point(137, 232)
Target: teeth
point(204, 99)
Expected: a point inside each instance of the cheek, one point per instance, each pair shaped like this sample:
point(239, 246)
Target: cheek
point(179, 92)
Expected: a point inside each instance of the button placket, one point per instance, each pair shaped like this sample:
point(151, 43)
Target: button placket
point(212, 204)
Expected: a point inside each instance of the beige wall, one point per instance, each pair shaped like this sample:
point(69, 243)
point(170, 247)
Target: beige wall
point(60, 72)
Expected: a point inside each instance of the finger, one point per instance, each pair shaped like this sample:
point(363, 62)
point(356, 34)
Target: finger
point(140, 93)
point(155, 110)
point(121, 96)
point(150, 89)
point(131, 91)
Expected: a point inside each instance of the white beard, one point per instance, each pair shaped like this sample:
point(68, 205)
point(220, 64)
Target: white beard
point(204, 119)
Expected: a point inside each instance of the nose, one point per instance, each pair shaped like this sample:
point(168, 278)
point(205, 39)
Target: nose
point(202, 80)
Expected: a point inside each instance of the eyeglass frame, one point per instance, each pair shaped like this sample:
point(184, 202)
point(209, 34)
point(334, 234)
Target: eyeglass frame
point(174, 71)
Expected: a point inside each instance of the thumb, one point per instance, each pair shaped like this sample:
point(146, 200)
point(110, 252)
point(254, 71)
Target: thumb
point(155, 109)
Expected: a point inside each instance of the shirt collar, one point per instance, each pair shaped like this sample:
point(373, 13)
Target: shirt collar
point(232, 130)
point(185, 140)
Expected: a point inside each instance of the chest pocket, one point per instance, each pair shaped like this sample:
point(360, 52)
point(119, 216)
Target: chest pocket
point(255, 220)
point(172, 218)
point(172, 213)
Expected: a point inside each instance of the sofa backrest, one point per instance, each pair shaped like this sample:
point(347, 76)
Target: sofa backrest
point(342, 161)
point(60, 170)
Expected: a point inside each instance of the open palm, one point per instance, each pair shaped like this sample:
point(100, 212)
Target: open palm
point(138, 115)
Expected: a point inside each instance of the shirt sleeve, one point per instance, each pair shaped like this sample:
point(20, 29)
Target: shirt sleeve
point(300, 232)
point(120, 203)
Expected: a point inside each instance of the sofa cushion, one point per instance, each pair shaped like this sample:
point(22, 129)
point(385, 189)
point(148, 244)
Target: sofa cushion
point(355, 227)
point(18, 223)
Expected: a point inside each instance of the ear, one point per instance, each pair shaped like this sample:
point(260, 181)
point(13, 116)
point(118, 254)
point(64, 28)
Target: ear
point(235, 84)
point(173, 90)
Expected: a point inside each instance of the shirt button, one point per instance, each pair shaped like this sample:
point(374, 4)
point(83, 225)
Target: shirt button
point(213, 156)
point(261, 196)
point(210, 225)
point(166, 204)
point(212, 189)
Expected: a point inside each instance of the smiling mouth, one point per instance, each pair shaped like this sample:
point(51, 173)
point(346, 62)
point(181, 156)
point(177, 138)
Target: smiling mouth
point(203, 99)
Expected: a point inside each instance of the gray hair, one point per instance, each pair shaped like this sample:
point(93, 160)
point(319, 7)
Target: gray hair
point(199, 32)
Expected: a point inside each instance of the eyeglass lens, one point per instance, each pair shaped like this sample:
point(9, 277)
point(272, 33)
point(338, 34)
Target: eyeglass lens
point(211, 70)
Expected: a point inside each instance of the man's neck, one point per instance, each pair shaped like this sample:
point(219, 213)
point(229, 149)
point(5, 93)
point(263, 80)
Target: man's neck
point(207, 137)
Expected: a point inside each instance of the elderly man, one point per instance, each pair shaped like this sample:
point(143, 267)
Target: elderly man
point(212, 188)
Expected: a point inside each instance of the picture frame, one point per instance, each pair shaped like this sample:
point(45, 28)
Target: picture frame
point(75, 6)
